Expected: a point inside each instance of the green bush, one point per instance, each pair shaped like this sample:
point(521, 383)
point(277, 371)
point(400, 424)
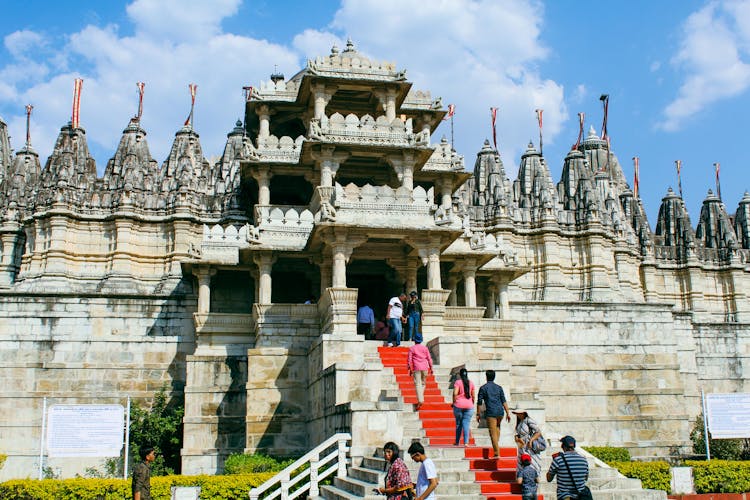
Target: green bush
point(234, 487)
point(609, 454)
point(720, 476)
point(3, 458)
point(248, 464)
point(723, 449)
point(159, 426)
point(653, 475)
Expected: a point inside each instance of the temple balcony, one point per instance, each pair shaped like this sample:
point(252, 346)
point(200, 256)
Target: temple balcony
point(366, 131)
point(272, 149)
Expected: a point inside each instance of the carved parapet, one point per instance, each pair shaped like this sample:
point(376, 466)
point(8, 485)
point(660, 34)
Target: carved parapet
point(422, 100)
point(355, 66)
point(279, 150)
point(367, 130)
point(369, 196)
point(279, 91)
point(284, 226)
point(223, 333)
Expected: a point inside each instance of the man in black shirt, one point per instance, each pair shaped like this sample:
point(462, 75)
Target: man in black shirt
point(142, 474)
point(495, 406)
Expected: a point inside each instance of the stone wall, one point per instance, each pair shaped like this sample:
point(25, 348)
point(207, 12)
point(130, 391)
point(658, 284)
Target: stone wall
point(83, 349)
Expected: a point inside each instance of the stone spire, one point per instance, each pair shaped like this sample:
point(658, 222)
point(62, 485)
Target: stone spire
point(185, 178)
point(634, 212)
point(19, 188)
point(5, 156)
point(714, 227)
point(70, 173)
point(600, 159)
point(673, 227)
point(533, 190)
point(491, 184)
point(228, 183)
point(578, 190)
point(131, 173)
point(742, 221)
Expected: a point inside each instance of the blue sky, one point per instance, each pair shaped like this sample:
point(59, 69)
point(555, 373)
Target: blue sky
point(677, 72)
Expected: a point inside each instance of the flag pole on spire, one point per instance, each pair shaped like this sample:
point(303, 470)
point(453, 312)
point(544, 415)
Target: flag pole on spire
point(718, 184)
point(581, 118)
point(29, 107)
point(539, 113)
point(493, 115)
point(193, 87)
point(141, 89)
point(451, 112)
point(75, 118)
point(678, 165)
point(636, 176)
point(605, 102)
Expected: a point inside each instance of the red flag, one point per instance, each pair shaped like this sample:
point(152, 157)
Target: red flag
point(29, 107)
point(539, 120)
point(581, 117)
point(605, 101)
point(718, 184)
point(451, 111)
point(636, 176)
point(193, 88)
point(141, 89)
point(678, 164)
point(248, 91)
point(493, 113)
point(75, 119)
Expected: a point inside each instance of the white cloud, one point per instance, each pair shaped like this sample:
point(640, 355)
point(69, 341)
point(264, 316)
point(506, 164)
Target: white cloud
point(19, 43)
point(714, 57)
point(475, 54)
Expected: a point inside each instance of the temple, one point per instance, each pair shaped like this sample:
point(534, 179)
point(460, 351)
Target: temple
point(235, 284)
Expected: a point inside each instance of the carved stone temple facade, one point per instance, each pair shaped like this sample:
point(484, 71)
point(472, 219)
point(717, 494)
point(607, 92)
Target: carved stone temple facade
point(195, 275)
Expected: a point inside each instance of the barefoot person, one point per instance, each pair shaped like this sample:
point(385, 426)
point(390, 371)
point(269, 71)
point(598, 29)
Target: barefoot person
point(495, 407)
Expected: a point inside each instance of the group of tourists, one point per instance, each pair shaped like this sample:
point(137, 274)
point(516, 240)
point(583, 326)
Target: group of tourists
point(398, 484)
point(402, 321)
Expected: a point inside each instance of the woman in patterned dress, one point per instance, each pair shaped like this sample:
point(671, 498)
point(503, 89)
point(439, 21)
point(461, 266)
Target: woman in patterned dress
point(397, 475)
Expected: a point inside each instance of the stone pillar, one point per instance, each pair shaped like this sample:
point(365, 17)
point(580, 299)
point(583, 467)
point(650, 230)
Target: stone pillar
point(328, 161)
point(433, 269)
point(504, 298)
point(491, 302)
point(264, 261)
point(452, 284)
point(325, 276)
point(390, 104)
point(322, 97)
point(204, 274)
point(9, 250)
point(340, 256)
point(403, 164)
point(470, 285)
point(411, 278)
point(263, 176)
point(264, 114)
point(446, 199)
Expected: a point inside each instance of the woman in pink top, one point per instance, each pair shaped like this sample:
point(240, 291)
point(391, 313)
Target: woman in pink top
point(463, 405)
point(419, 364)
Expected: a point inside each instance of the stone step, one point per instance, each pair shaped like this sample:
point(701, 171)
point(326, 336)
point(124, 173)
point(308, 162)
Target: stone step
point(366, 474)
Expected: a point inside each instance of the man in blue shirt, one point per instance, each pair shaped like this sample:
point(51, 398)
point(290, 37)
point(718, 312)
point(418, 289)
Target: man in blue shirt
point(567, 486)
point(366, 321)
point(495, 406)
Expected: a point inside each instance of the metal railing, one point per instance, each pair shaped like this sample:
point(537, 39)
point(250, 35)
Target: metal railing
point(333, 459)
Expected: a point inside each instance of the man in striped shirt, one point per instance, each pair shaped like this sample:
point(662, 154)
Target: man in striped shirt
point(578, 466)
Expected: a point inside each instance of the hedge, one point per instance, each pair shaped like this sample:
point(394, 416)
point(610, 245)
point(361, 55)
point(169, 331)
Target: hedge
point(609, 454)
point(234, 487)
point(653, 475)
point(720, 476)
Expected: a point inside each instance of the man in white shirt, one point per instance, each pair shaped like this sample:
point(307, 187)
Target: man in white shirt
point(395, 315)
point(366, 321)
point(427, 479)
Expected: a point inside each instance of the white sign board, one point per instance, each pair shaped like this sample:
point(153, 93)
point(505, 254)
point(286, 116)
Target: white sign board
point(186, 492)
point(728, 415)
point(85, 430)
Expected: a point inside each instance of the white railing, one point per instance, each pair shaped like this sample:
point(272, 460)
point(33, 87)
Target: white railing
point(334, 461)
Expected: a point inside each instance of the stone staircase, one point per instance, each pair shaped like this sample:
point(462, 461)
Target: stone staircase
point(463, 471)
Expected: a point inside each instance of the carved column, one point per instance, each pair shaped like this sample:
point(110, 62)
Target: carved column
point(325, 276)
point(341, 254)
point(411, 277)
point(446, 192)
point(452, 284)
point(264, 261)
point(433, 269)
point(491, 301)
point(470, 285)
point(264, 114)
point(390, 104)
point(501, 284)
point(322, 97)
point(404, 166)
point(204, 274)
point(263, 176)
point(328, 161)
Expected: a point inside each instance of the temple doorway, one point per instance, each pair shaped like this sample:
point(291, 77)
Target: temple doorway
point(377, 283)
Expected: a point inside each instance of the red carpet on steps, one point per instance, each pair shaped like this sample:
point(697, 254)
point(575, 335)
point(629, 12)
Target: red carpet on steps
point(496, 476)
